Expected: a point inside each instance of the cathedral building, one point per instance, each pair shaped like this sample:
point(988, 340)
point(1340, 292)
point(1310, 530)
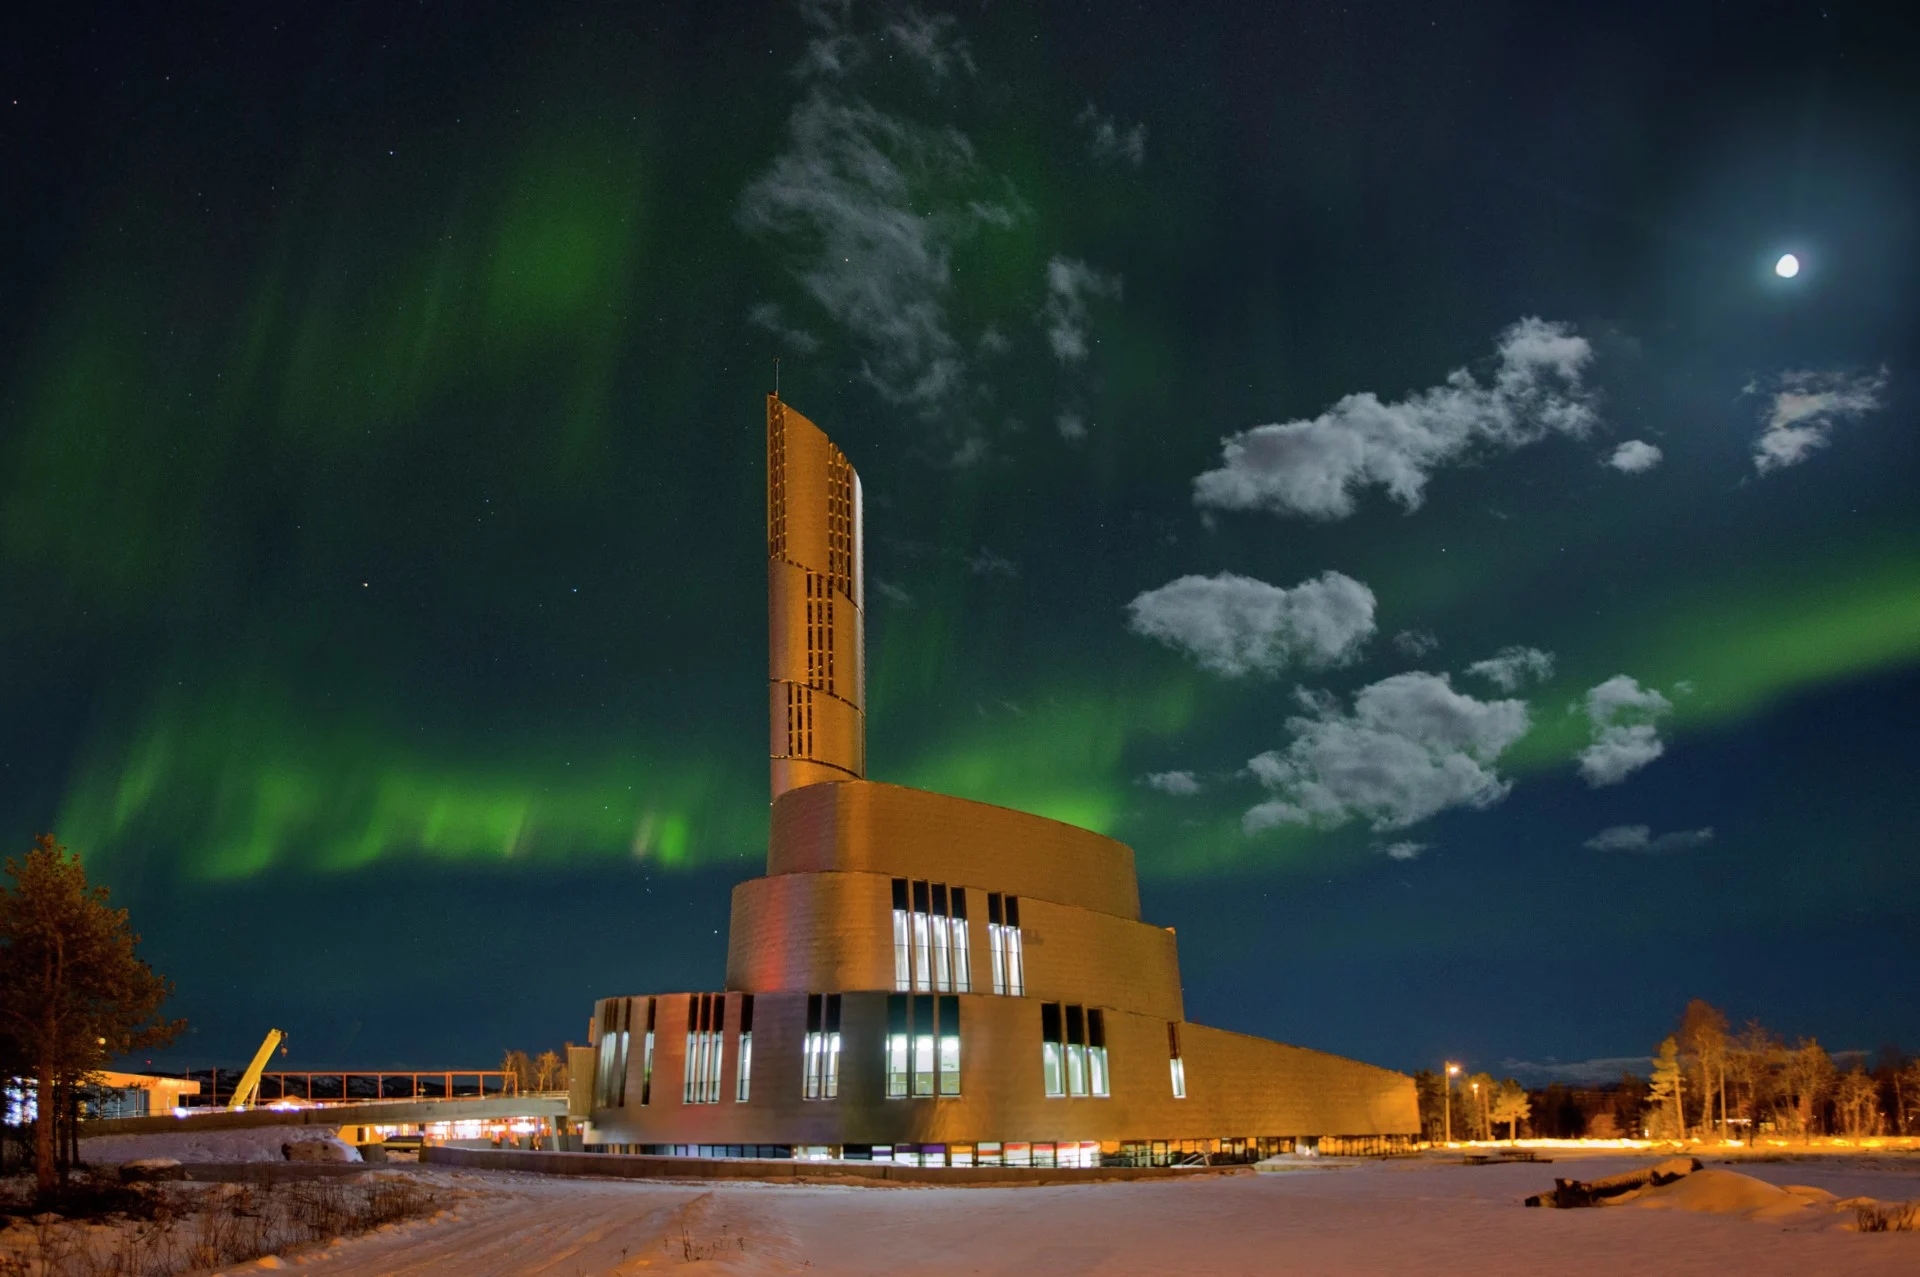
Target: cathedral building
point(928, 979)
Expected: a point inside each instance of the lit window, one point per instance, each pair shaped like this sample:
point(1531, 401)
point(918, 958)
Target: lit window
point(922, 941)
point(821, 1053)
point(1178, 1065)
point(1003, 942)
point(646, 1061)
point(743, 1084)
point(1096, 1051)
point(610, 1072)
point(1052, 1050)
point(930, 938)
point(902, 942)
point(937, 923)
point(922, 1046)
point(706, 1047)
point(957, 925)
point(1073, 1045)
point(949, 1028)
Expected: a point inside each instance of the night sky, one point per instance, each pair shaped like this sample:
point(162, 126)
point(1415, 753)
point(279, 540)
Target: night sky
point(1362, 456)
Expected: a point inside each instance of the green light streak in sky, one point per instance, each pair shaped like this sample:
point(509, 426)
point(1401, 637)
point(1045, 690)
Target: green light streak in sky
point(246, 782)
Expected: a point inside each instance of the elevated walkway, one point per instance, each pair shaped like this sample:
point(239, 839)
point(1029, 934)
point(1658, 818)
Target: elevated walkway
point(549, 1105)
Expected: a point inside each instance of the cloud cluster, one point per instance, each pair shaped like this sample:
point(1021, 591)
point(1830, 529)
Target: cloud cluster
point(1635, 456)
point(868, 206)
point(1511, 667)
point(1415, 643)
point(1179, 784)
point(1640, 838)
point(1071, 285)
point(1410, 747)
point(1317, 467)
point(1804, 407)
point(1624, 718)
point(1237, 625)
point(1404, 850)
point(1111, 143)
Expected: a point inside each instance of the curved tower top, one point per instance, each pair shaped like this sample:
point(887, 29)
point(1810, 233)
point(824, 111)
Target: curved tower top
point(817, 669)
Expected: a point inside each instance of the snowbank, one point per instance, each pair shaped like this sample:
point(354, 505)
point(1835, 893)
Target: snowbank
point(249, 1144)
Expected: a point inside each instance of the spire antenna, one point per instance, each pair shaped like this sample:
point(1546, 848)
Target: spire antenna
point(776, 376)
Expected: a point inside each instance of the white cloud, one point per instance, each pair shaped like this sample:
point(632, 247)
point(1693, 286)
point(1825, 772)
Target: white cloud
point(1108, 141)
point(1635, 456)
point(987, 563)
point(1804, 407)
point(1179, 784)
point(1415, 642)
point(932, 40)
point(1236, 625)
point(1511, 667)
point(1071, 284)
point(1072, 426)
point(1404, 850)
point(1640, 838)
point(868, 206)
point(768, 315)
point(1623, 716)
point(892, 593)
point(1411, 747)
point(1317, 467)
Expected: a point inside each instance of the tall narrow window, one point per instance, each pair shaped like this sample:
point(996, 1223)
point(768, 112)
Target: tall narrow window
point(1016, 961)
point(923, 1044)
point(937, 922)
point(1178, 1065)
point(949, 1029)
point(821, 1052)
point(743, 1084)
point(716, 1049)
point(957, 926)
point(997, 940)
point(1096, 1051)
point(902, 938)
point(1052, 1050)
point(922, 942)
point(899, 1043)
point(646, 1060)
point(1076, 1051)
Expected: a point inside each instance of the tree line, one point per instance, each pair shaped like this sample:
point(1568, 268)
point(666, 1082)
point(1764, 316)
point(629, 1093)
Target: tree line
point(1707, 1081)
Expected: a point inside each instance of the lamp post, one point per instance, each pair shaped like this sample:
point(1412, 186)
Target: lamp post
point(1452, 1070)
point(1476, 1101)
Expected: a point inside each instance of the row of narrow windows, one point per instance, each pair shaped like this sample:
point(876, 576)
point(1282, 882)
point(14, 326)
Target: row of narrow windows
point(930, 949)
point(922, 1049)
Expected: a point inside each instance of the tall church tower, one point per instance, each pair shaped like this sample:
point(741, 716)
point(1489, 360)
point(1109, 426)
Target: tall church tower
point(817, 675)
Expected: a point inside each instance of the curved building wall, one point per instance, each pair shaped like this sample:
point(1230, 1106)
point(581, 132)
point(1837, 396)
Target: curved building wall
point(868, 827)
point(820, 931)
point(817, 653)
point(1236, 1086)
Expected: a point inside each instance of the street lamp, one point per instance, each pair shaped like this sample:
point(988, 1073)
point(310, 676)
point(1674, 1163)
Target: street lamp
point(1452, 1071)
point(1476, 1099)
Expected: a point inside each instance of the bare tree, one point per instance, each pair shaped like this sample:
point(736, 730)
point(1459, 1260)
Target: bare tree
point(73, 992)
point(547, 1069)
point(1858, 1100)
point(1807, 1079)
point(1907, 1095)
point(1703, 1043)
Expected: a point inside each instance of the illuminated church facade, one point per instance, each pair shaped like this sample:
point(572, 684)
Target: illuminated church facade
point(929, 979)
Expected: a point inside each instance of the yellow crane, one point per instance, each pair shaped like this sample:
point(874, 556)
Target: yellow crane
point(249, 1088)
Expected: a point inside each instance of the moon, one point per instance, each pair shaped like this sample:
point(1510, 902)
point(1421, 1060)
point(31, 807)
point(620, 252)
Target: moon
point(1787, 267)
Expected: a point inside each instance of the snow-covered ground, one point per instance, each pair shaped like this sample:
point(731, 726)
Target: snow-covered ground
point(248, 1144)
point(1412, 1216)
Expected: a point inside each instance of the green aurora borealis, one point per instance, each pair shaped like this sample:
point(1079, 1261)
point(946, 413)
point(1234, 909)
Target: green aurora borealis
point(380, 473)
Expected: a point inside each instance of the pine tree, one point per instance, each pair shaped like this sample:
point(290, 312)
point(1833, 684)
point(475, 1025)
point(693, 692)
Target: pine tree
point(1512, 1106)
point(73, 993)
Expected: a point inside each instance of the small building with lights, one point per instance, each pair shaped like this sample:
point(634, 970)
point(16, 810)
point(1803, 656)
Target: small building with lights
point(928, 979)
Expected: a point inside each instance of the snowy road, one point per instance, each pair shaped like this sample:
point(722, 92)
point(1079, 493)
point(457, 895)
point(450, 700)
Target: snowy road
point(1369, 1218)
